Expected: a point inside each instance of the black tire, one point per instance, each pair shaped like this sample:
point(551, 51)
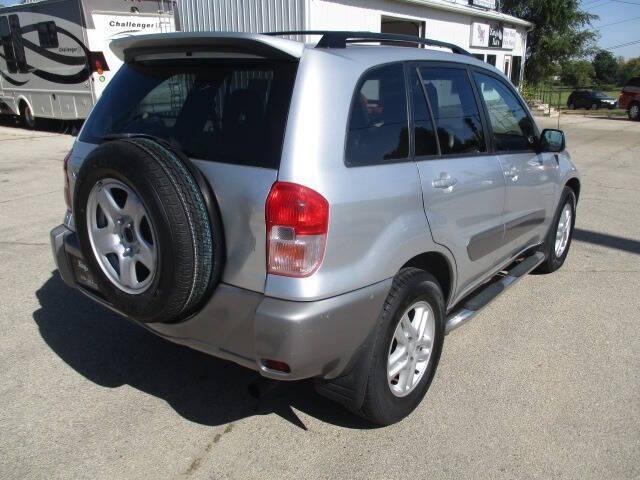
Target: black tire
point(552, 262)
point(27, 120)
point(380, 405)
point(189, 236)
point(572, 106)
point(595, 106)
point(634, 113)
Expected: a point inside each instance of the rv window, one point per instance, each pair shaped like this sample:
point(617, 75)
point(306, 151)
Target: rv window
point(224, 111)
point(48, 35)
point(18, 46)
point(7, 44)
point(5, 33)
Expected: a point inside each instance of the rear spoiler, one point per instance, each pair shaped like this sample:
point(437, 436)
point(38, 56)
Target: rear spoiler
point(127, 48)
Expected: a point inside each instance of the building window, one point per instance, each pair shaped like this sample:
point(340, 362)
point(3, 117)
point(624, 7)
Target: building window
point(401, 26)
point(491, 60)
point(479, 56)
point(47, 34)
point(515, 70)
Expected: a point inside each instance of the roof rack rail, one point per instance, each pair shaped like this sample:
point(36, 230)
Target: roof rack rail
point(339, 39)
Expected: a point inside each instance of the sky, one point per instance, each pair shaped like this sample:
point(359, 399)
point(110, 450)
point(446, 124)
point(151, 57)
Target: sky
point(619, 23)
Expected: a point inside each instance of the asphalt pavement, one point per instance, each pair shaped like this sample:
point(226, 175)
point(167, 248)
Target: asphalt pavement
point(545, 383)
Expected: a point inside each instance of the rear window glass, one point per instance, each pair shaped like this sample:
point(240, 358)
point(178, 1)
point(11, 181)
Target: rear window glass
point(228, 112)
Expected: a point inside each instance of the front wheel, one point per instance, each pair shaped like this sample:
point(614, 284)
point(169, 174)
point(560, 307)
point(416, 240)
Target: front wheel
point(556, 247)
point(407, 348)
point(26, 116)
point(634, 111)
point(595, 106)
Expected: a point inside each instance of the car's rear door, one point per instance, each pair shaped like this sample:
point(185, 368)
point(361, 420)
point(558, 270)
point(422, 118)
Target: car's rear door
point(530, 176)
point(462, 183)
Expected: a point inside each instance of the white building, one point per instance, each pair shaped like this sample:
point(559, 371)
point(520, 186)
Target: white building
point(471, 24)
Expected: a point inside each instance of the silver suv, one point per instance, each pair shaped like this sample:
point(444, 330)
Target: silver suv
point(325, 211)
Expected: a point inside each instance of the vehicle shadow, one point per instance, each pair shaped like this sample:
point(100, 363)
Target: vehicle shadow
point(44, 125)
point(111, 352)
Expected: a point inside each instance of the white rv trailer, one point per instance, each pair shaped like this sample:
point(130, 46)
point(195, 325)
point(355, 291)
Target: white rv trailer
point(55, 59)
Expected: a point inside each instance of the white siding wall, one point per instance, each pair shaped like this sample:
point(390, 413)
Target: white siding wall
point(241, 15)
point(365, 15)
point(440, 25)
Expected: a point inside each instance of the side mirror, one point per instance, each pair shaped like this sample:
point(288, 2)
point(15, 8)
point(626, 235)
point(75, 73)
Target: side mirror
point(552, 140)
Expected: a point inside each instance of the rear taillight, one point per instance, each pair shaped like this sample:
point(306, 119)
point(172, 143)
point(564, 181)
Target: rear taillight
point(67, 190)
point(97, 63)
point(297, 223)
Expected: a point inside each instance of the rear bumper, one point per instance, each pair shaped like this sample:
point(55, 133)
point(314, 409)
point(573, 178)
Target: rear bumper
point(316, 339)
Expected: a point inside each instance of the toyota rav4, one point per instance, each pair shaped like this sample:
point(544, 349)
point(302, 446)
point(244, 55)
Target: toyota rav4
point(327, 210)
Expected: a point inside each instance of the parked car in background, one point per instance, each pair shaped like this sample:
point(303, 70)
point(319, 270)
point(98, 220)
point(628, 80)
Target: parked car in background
point(590, 99)
point(324, 211)
point(630, 98)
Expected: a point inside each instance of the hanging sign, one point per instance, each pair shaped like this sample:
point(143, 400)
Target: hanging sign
point(479, 34)
point(495, 36)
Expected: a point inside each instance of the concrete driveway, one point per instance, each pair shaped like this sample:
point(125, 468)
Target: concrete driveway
point(545, 383)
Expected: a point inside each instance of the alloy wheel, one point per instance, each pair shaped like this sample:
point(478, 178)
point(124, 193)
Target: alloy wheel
point(410, 348)
point(122, 235)
point(563, 232)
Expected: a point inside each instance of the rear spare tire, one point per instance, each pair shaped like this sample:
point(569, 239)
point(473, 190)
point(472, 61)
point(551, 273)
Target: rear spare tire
point(145, 231)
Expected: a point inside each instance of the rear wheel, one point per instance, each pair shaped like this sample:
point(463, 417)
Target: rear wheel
point(407, 348)
point(556, 247)
point(145, 231)
point(634, 111)
point(595, 106)
point(572, 106)
point(26, 116)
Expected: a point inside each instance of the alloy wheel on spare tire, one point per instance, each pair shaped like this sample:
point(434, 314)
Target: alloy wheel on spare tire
point(145, 231)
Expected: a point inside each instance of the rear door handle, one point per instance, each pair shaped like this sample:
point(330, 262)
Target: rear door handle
point(445, 181)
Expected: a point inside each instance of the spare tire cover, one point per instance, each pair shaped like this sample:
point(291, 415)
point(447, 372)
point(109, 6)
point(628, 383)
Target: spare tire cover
point(145, 231)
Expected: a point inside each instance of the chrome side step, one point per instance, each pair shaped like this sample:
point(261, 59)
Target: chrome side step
point(470, 307)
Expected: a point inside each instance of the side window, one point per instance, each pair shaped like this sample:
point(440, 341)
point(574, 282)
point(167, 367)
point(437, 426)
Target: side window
point(512, 127)
point(47, 34)
point(7, 44)
point(424, 131)
point(454, 109)
point(378, 125)
point(18, 46)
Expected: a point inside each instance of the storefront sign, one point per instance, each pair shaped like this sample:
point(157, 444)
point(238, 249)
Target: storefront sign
point(483, 3)
point(479, 35)
point(495, 36)
point(509, 39)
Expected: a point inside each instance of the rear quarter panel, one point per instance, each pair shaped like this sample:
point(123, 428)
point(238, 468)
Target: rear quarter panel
point(376, 221)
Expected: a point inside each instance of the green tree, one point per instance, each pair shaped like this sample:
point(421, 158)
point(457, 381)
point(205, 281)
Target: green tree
point(606, 67)
point(559, 33)
point(629, 69)
point(578, 73)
